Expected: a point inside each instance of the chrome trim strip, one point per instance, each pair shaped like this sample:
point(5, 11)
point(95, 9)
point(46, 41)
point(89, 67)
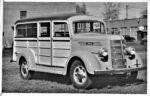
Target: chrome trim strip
point(59, 57)
point(49, 65)
point(60, 49)
point(44, 55)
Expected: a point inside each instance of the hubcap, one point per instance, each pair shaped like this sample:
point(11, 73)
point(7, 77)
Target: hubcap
point(80, 75)
point(24, 69)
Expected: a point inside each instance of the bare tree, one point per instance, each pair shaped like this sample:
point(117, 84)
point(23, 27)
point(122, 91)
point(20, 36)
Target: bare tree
point(111, 10)
point(81, 9)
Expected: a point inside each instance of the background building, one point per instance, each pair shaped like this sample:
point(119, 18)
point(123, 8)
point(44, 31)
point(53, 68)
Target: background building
point(126, 26)
point(18, 10)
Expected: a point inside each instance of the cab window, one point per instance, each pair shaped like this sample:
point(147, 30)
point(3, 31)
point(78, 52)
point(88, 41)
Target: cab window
point(61, 29)
point(88, 27)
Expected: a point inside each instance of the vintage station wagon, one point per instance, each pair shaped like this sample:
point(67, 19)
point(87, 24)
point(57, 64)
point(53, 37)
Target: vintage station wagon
point(73, 45)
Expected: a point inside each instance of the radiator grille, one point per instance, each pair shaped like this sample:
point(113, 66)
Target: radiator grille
point(117, 54)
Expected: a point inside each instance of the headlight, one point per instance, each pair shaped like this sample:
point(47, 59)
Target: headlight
point(130, 52)
point(103, 54)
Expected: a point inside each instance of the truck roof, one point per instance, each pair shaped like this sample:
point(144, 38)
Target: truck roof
point(54, 17)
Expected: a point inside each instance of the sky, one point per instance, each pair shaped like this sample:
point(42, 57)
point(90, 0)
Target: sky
point(135, 8)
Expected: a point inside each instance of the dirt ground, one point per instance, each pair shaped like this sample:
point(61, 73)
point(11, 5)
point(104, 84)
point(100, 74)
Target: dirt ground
point(49, 83)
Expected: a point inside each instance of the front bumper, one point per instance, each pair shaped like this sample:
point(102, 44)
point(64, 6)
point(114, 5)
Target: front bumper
point(120, 70)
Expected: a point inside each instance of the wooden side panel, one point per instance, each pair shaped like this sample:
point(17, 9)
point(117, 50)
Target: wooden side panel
point(33, 44)
point(45, 44)
point(21, 43)
point(61, 52)
point(61, 44)
point(45, 60)
point(60, 62)
point(45, 52)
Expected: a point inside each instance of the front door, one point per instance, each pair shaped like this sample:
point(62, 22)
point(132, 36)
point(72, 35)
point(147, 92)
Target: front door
point(44, 43)
point(61, 45)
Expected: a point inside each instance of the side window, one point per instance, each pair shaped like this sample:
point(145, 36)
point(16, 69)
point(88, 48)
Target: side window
point(45, 29)
point(32, 30)
point(61, 29)
point(21, 30)
point(26, 30)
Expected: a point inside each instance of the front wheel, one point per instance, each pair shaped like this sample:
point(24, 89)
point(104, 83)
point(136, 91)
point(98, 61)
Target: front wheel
point(79, 75)
point(24, 72)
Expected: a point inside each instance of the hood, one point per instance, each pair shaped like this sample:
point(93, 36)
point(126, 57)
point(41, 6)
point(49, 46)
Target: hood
point(93, 41)
point(91, 36)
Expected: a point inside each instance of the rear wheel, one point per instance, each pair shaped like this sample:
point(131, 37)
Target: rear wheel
point(24, 72)
point(79, 75)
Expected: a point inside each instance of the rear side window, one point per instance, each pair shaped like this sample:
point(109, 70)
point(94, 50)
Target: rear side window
point(45, 29)
point(26, 30)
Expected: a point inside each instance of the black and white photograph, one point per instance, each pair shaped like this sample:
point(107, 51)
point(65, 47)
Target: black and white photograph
point(74, 47)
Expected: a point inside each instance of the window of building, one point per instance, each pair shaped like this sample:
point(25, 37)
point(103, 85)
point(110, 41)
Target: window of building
point(23, 14)
point(26, 30)
point(133, 31)
point(124, 30)
point(61, 29)
point(45, 29)
point(115, 31)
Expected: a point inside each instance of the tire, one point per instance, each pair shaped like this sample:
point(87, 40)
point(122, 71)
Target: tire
point(24, 72)
point(79, 76)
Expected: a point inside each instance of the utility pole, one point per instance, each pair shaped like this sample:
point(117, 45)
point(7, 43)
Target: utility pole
point(127, 7)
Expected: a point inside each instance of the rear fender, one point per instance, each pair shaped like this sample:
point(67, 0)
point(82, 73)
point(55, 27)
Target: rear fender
point(29, 56)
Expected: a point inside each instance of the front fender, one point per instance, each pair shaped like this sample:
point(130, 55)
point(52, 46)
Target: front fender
point(29, 55)
point(132, 63)
point(90, 61)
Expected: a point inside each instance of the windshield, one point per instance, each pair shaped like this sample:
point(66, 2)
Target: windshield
point(88, 27)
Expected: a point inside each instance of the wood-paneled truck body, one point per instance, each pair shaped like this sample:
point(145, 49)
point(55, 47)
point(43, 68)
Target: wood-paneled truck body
point(74, 45)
